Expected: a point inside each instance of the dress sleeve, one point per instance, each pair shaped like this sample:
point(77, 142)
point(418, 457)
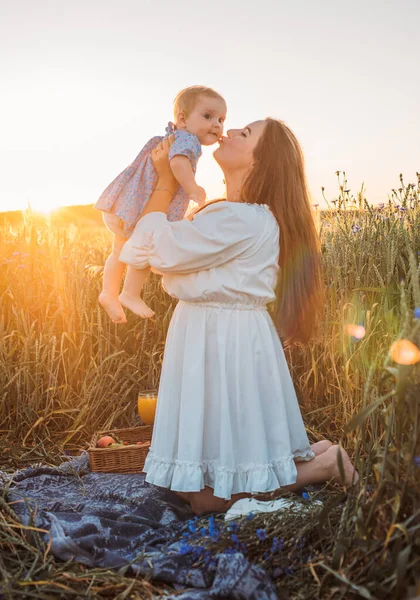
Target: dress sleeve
point(216, 236)
point(187, 145)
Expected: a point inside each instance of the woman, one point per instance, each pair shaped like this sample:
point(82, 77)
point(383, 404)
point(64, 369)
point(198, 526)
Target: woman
point(228, 424)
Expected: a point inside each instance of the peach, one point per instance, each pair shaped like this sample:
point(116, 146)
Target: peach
point(105, 441)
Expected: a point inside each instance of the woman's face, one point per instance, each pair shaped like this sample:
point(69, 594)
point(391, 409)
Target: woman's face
point(236, 151)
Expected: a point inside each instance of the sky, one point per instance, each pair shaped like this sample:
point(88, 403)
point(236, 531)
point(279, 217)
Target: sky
point(86, 83)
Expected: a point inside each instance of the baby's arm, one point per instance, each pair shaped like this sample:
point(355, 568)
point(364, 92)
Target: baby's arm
point(184, 174)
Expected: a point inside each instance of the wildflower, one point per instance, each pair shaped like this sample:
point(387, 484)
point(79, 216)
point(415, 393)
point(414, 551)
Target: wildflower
point(403, 208)
point(233, 526)
point(250, 516)
point(355, 228)
point(185, 548)
point(261, 534)
point(192, 527)
point(277, 544)
point(417, 312)
point(234, 538)
point(203, 531)
point(416, 461)
point(306, 496)
point(357, 332)
point(405, 352)
point(381, 205)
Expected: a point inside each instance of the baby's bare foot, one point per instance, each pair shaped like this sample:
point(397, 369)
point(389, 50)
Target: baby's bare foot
point(112, 307)
point(351, 476)
point(136, 305)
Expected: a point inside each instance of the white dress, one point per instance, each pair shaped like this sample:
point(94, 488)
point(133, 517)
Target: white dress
point(227, 414)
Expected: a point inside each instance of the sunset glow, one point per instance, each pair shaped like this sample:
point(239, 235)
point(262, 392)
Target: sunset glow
point(93, 81)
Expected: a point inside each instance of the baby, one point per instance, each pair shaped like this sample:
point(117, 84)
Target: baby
point(199, 114)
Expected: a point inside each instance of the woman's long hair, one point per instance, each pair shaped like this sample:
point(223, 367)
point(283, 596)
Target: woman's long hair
point(278, 180)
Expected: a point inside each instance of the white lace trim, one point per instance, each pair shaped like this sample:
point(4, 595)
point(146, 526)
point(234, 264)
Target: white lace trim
point(306, 456)
point(192, 476)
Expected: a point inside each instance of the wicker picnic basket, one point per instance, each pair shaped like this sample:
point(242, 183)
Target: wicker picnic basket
point(125, 459)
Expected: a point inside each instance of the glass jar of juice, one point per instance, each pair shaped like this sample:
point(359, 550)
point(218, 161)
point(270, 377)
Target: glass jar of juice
point(146, 405)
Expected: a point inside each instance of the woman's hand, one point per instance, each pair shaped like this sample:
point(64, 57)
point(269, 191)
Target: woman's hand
point(160, 160)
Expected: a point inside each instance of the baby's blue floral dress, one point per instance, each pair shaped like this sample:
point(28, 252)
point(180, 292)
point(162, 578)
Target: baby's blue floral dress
point(129, 193)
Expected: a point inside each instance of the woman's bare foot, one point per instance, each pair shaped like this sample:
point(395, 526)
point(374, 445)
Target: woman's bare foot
point(136, 305)
point(351, 476)
point(321, 447)
point(112, 307)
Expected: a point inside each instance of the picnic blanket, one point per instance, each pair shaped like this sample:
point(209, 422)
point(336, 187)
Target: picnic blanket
point(111, 520)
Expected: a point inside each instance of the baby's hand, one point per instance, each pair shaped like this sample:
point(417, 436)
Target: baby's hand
point(198, 196)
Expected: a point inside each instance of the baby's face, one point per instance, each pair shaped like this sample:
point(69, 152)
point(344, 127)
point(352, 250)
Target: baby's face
point(206, 120)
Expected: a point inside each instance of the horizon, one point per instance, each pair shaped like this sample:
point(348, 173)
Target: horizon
point(100, 83)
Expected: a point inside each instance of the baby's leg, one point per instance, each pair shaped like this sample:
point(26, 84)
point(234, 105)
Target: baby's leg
point(113, 274)
point(130, 296)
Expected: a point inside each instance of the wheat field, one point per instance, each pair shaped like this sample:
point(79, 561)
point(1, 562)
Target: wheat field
point(67, 371)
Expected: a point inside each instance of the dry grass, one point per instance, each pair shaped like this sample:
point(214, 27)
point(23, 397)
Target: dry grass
point(66, 371)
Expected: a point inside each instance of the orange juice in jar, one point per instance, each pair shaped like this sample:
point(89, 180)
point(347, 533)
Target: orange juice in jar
point(146, 405)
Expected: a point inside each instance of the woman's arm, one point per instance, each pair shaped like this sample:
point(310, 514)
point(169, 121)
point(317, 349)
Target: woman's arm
point(166, 184)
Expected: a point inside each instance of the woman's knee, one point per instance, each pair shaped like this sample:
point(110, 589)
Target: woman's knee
point(205, 502)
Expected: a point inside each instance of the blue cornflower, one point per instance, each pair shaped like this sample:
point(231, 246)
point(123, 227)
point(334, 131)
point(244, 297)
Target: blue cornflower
point(186, 535)
point(234, 538)
point(261, 534)
point(185, 548)
point(251, 514)
point(277, 544)
point(306, 496)
point(417, 312)
point(192, 527)
point(233, 526)
point(203, 531)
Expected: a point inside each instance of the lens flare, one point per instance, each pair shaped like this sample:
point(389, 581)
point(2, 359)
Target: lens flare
point(404, 352)
point(356, 331)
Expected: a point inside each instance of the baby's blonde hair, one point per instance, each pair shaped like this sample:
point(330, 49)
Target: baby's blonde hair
point(187, 98)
